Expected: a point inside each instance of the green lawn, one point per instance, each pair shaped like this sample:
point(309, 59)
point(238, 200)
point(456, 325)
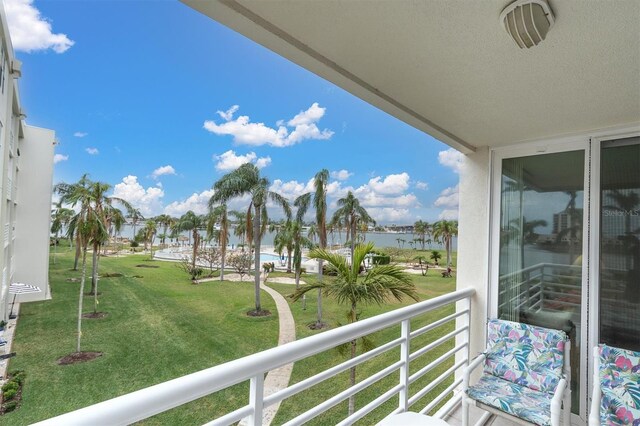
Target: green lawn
point(161, 326)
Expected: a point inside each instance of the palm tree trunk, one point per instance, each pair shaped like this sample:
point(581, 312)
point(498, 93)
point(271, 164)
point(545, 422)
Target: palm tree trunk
point(95, 291)
point(78, 252)
point(195, 249)
point(288, 260)
point(94, 268)
point(82, 280)
point(224, 252)
point(297, 277)
point(353, 238)
point(319, 303)
point(256, 257)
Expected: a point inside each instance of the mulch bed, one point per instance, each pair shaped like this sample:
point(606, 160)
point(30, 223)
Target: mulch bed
point(315, 326)
point(112, 275)
point(262, 313)
point(91, 294)
point(95, 315)
point(77, 357)
point(147, 266)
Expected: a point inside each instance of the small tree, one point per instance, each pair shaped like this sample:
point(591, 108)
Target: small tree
point(435, 256)
point(187, 266)
point(424, 267)
point(211, 256)
point(240, 262)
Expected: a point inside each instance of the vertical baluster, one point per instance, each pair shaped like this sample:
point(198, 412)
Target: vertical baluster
point(405, 331)
point(256, 399)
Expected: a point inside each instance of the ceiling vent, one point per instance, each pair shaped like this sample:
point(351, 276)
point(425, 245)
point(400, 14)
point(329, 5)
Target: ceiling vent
point(527, 21)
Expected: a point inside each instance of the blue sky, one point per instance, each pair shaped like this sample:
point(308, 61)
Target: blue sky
point(133, 87)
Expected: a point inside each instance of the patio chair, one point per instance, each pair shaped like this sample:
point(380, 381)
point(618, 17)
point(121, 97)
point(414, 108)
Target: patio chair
point(526, 375)
point(616, 387)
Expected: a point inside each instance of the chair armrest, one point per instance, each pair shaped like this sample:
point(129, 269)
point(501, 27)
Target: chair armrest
point(556, 401)
point(466, 373)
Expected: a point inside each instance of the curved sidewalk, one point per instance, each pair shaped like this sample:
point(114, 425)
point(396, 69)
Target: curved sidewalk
point(278, 379)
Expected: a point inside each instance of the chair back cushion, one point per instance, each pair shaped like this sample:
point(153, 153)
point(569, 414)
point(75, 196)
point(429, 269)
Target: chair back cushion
point(526, 355)
point(620, 386)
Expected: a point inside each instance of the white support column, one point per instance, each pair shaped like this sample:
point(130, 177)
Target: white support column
point(405, 334)
point(256, 399)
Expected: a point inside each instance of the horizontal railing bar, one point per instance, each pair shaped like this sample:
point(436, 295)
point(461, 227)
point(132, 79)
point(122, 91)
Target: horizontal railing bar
point(337, 399)
point(422, 392)
point(436, 324)
point(440, 397)
point(156, 399)
point(232, 417)
point(437, 342)
point(370, 406)
point(320, 377)
point(424, 370)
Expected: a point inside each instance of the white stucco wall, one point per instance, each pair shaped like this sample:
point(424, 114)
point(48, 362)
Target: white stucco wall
point(473, 240)
point(33, 211)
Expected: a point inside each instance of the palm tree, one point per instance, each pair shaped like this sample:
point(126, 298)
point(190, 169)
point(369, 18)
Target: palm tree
point(300, 241)
point(378, 285)
point(135, 217)
point(423, 229)
point(163, 220)
point(320, 181)
point(284, 240)
point(445, 230)
point(60, 219)
point(220, 215)
point(435, 256)
point(71, 194)
point(246, 180)
point(150, 230)
point(243, 226)
point(353, 213)
point(192, 222)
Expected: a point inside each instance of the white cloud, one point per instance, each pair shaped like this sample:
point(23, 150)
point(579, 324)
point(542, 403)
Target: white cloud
point(448, 199)
point(422, 185)
point(291, 189)
point(163, 170)
point(230, 161)
point(92, 151)
point(341, 174)
point(452, 159)
point(30, 31)
point(256, 134)
point(197, 202)
point(80, 134)
point(389, 214)
point(392, 184)
point(59, 157)
point(149, 200)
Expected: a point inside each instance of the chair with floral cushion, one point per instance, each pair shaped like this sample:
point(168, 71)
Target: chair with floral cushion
point(616, 390)
point(526, 376)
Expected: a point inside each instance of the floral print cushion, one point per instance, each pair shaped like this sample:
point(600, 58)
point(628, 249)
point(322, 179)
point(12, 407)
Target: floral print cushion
point(519, 401)
point(526, 355)
point(620, 386)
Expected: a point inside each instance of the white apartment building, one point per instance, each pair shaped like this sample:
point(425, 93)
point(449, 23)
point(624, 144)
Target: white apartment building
point(26, 173)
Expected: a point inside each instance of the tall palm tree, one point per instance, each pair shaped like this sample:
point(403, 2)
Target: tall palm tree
point(246, 180)
point(135, 217)
point(378, 285)
point(163, 220)
point(350, 210)
point(422, 229)
point(299, 242)
point(219, 214)
point(61, 216)
point(150, 230)
point(70, 193)
point(284, 240)
point(115, 222)
point(320, 181)
point(445, 230)
point(192, 222)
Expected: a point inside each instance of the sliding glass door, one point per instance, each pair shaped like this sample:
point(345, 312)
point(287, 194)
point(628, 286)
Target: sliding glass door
point(540, 256)
point(619, 244)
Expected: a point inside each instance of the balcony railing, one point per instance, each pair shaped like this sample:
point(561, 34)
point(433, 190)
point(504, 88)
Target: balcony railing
point(162, 397)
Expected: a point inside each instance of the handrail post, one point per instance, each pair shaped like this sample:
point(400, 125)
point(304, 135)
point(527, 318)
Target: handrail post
point(405, 334)
point(256, 399)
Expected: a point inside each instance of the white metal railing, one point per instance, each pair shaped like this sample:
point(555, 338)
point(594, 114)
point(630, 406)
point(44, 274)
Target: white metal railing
point(7, 231)
point(9, 188)
point(162, 397)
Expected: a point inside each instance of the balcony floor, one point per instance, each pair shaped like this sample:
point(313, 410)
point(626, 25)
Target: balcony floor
point(455, 418)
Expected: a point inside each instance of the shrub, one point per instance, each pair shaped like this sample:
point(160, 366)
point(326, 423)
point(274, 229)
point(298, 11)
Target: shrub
point(9, 394)
point(10, 406)
point(135, 244)
point(379, 259)
point(9, 386)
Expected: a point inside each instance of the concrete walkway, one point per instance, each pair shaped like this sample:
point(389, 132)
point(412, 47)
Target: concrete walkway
point(277, 379)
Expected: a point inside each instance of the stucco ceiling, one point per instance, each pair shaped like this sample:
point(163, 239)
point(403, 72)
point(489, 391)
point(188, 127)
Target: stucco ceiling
point(450, 69)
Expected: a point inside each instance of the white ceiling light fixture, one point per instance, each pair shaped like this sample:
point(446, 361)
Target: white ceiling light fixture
point(527, 21)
